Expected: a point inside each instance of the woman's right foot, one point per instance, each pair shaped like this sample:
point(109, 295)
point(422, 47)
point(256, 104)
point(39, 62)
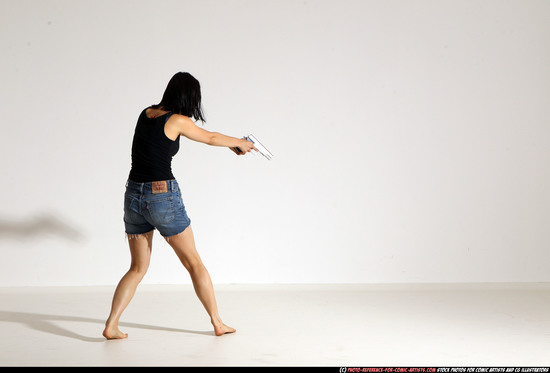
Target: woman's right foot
point(221, 329)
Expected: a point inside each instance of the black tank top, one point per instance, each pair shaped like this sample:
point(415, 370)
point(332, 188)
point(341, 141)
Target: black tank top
point(152, 150)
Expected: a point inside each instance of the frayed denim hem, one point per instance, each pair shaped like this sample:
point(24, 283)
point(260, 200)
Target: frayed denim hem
point(168, 237)
point(130, 236)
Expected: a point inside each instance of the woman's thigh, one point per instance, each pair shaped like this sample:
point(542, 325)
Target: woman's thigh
point(140, 249)
point(184, 247)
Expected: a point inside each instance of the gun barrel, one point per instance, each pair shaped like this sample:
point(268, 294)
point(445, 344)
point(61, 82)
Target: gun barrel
point(262, 149)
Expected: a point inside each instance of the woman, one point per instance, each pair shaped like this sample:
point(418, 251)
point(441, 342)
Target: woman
point(153, 197)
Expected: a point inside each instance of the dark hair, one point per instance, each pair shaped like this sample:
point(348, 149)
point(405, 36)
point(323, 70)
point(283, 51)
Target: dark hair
point(183, 96)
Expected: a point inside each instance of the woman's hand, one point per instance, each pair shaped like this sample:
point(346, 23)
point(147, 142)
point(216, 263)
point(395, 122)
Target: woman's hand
point(244, 147)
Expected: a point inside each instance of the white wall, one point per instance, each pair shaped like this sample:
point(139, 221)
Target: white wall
point(410, 138)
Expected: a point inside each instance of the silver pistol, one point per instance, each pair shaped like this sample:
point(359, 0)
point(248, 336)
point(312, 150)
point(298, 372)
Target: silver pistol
point(261, 149)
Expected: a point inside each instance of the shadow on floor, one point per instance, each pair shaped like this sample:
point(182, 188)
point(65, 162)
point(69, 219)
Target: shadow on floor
point(46, 323)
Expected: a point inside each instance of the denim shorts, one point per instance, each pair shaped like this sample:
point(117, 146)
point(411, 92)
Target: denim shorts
point(146, 207)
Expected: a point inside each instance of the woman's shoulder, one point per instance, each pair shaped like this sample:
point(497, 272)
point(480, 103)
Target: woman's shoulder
point(180, 120)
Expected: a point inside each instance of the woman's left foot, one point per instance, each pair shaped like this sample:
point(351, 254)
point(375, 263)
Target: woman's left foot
point(114, 333)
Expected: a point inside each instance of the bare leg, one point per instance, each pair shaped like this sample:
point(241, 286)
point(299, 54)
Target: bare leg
point(140, 249)
point(184, 246)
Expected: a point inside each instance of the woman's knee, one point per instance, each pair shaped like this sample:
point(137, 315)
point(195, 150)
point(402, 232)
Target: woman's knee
point(195, 267)
point(139, 269)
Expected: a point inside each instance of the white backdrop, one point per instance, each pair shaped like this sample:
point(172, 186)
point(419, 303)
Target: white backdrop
point(410, 138)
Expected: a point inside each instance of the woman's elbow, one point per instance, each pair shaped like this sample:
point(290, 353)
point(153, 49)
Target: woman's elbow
point(212, 139)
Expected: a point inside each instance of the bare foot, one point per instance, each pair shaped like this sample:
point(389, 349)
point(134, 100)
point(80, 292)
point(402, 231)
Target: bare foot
point(221, 329)
point(114, 333)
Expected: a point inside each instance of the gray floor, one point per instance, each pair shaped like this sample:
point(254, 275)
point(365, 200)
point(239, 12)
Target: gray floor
point(283, 325)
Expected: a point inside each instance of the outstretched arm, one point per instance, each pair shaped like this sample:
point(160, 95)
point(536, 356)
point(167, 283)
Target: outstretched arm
point(189, 129)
